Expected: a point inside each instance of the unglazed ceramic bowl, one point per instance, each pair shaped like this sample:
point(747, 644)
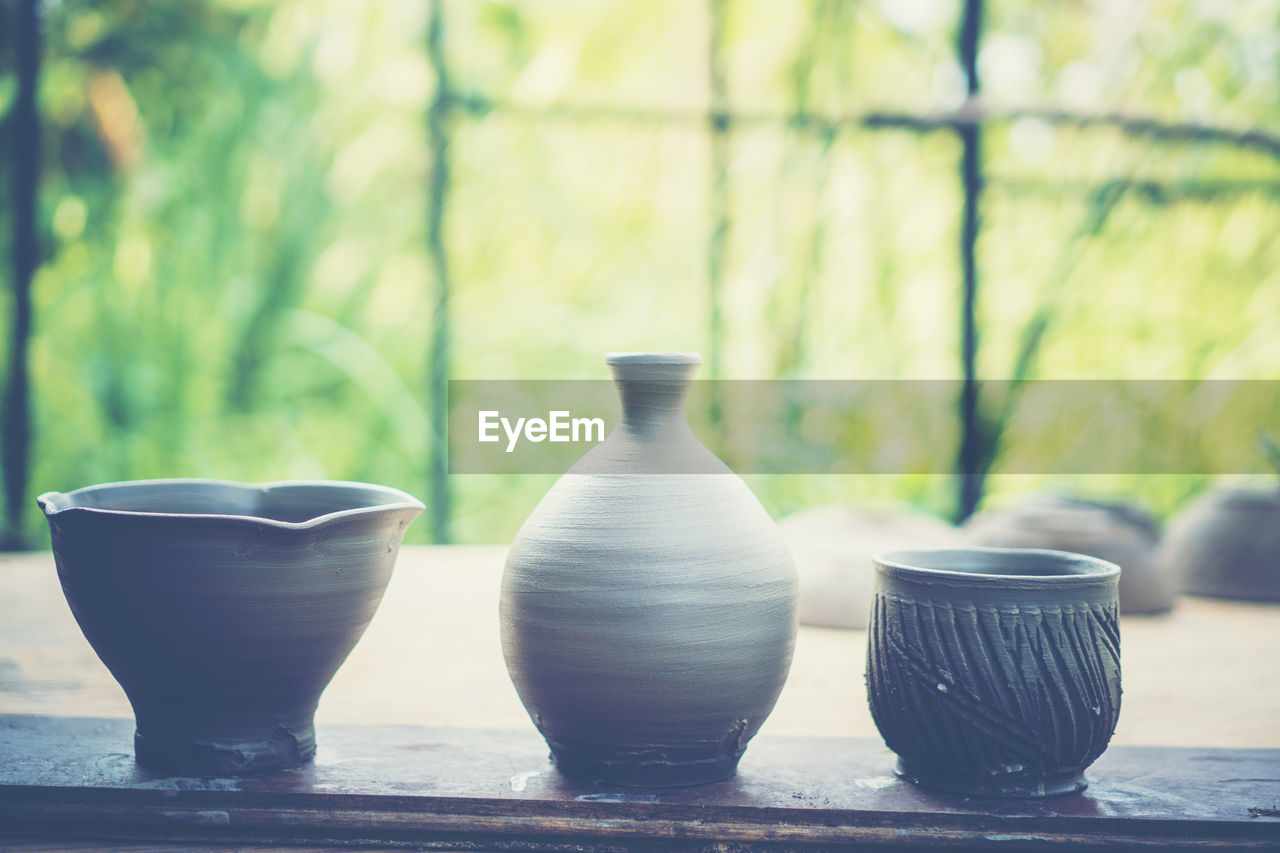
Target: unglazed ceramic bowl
point(224, 609)
point(995, 672)
point(1226, 544)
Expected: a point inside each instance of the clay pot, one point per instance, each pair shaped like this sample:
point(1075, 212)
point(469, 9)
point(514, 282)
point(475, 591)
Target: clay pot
point(1227, 544)
point(224, 609)
point(833, 546)
point(995, 672)
point(1118, 533)
point(649, 603)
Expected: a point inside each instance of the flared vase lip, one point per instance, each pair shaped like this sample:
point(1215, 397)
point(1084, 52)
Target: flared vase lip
point(1059, 568)
point(654, 369)
point(390, 499)
point(654, 358)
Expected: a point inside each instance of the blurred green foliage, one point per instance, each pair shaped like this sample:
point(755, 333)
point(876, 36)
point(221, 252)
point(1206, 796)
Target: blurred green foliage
point(236, 281)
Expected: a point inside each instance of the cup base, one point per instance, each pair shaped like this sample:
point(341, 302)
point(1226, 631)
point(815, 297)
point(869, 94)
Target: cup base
point(644, 771)
point(279, 748)
point(1016, 785)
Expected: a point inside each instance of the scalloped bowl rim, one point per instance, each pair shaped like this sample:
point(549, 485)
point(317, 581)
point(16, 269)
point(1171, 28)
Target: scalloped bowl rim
point(54, 503)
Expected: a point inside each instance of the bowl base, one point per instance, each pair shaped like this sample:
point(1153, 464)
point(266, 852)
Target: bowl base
point(647, 770)
point(1018, 785)
point(278, 748)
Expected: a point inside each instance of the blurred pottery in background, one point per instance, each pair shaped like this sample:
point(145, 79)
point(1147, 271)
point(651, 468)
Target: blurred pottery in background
point(1116, 532)
point(649, 603)
point(833, 546)
point(1227, 544)
point(995, 672)
point(224, 609)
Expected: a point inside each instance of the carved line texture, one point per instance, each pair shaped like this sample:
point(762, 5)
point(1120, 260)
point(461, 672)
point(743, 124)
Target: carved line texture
point(993, 691)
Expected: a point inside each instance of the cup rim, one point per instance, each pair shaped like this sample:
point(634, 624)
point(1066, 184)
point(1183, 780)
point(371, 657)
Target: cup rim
point(906, 563)
point(55, 503)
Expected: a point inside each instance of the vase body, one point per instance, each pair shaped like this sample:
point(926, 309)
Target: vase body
point(995, 672)
point(1226, 544)
point(224, 609)
point(649, 616)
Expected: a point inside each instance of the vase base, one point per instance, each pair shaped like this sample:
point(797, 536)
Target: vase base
point(279, 748)
point(651, 769)
point(1017, 785)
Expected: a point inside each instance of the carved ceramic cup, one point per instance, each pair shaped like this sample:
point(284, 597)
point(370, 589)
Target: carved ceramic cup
point(224, 609)
point(995, 672)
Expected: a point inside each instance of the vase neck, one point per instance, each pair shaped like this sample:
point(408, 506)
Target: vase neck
point(653, 387)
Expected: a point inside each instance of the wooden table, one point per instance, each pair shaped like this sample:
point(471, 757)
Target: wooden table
point(1203, 676)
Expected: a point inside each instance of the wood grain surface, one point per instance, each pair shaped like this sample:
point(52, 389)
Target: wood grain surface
point(409, 786)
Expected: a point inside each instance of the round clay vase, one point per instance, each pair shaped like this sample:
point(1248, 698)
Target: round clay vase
point(649, 603)
point(224, 609)
point(995, 672)
point(1226, 544)
point(833, 545)
point(1116, 532)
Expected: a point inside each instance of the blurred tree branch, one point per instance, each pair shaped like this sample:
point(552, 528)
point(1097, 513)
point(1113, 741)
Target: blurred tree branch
point(1269, 448)
point(978, 435)
point(974, 112)
point(24, 162)
point(1153, 192)
point(718, 197)
point(439, 113)
point(971, 113)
